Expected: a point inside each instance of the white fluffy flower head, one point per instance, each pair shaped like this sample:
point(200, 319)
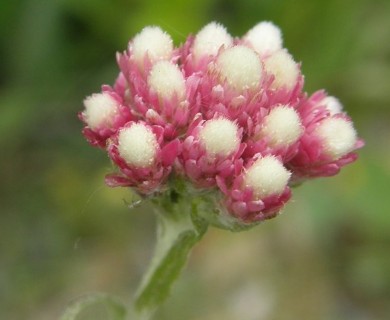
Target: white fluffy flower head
point(265, 38)
point(153, 41)
point(166, 79)
point(333, 105)
point(282, 126)
point(137, 145)
point(338, 136)
point(266, 177)
point(240, 66)
point(282, 65)
point(100, 110)
point(210, 39)
point(219, 137)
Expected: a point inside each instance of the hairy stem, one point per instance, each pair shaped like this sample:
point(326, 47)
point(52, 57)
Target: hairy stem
point(180, 227)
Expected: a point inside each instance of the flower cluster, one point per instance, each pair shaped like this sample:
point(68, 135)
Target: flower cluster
point(227, 115)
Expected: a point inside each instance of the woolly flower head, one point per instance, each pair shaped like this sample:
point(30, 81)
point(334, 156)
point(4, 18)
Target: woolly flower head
point(137, 145)
point(265, 38)
point(338, 136)
point(240, 67)
point(219, 137)
point(210, 39)
point(282, 126)
point(333, 105)
point(168, 118)
point(166, 79)
point(266, 177)
point(100, 110)
point(154, 42)
point(283, 67)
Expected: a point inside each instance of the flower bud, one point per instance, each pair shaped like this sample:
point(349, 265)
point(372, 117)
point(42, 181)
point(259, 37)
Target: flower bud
point(265, 38)
point(266, 177)
point(240, 67)
point(100, 111)
point(283, 67)
point(333, 105)
point(210, 39)
point(219, 137)
point(338, 137)
point(154, 42)
point(282, 126)
point(166, 79)
point(137, 145)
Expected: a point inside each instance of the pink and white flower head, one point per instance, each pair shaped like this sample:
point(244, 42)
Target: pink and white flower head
point(152, 44)
point(103, 115)
point(277, 132)
point(284, 80)
point(233, 85)
point(333, 105)
point(171, 100)
point(211, 149)
point(200, 50)
point(265, 38)
point(259, 191)
point(226, 115)
point(329, 140)
point(143, 157)
point(156, 85)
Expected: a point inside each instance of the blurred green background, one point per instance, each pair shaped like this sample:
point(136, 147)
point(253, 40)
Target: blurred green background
point(63, 233)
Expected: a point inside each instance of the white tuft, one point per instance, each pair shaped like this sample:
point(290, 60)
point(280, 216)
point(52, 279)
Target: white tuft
point(100, 111)
point(266, 177)
point(219, 137)
point(333, 105)
point(137, 145)
point(210, 39)
point(338, 136)
point(265, 38)
point(284, 68)
point(154, 41)
point(282, 126)
point(240, 66)
point(166, 79)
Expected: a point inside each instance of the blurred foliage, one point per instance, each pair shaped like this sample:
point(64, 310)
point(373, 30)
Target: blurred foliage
point(63, 233)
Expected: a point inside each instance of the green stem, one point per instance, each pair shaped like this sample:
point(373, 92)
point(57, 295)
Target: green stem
point(180, 227)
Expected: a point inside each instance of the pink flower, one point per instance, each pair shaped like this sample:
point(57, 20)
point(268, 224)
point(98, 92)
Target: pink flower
point(283, 81)
point(328, 143)
point(157, 88)
point(259, 191)
point(202, 49)
point(226, 115)
point(143, 157)
point(212, 148)
point(232, 86)
point(265, 38)
point(103, 115)
point(276, 131)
